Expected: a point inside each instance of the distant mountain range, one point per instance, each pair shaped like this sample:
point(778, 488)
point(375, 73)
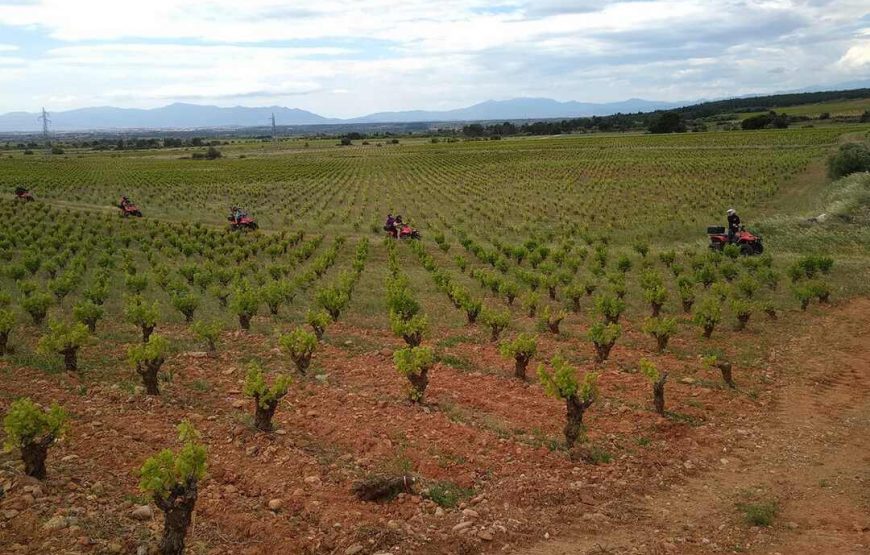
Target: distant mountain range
point(193, 116)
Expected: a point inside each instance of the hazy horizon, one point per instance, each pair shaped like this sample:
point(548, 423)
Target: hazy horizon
point(346, 60)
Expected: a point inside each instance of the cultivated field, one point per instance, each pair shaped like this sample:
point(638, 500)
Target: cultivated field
point(588, 254)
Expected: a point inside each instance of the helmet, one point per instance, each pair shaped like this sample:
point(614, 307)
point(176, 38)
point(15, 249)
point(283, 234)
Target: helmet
point(731, 211)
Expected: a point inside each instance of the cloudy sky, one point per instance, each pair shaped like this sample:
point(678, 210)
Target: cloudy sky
point(350, 57)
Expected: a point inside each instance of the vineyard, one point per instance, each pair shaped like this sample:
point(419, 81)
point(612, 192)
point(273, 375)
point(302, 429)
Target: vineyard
point(560, 336)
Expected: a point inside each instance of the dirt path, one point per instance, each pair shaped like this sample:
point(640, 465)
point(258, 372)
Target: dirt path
point(811, 458)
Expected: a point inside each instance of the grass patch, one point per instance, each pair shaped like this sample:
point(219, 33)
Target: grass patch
point(200, 385)
point(456, 362)
point(457, 340)
point(759, 513)
point(448, 494)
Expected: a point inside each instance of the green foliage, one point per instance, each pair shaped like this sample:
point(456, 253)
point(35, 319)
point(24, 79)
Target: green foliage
point(88, 313)
point(522, 346)
point(759, 513)
point(186, 303)
point(448, 494)
point(256, 386)
point(562, 382)
point(136, 283)
point(7, 320)
point(850, 158)
point(413, 360)
point(707, 314)
point(245, 300)
point(208, 332)
point(650, 370)
point(155, 349)
point(26, 423)
point(300, 345)
point(318, 320)
point(497, 320)
point(37, 306)
point(603, 336)
point(661, 329)
point(62, 336)
point(610, 307)
point(168, 470)
point(140, 313)
point(333, 300)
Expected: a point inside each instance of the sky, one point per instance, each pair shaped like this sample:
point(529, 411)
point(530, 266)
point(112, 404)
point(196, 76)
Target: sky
point(344, 58)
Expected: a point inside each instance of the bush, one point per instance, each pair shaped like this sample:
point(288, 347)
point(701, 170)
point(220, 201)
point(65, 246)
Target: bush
point(7, 323)
point(851, 158)
point(143, 315)
point(562, 384)
point(244, 303)
point(411, 330)
point(661, 329)
point(707, 315)
point(64, 339)
point(656, 297)
point(171, 479)
point(88, 314)
point(658, 380)
point(603, 337)
point(147, 358)
point(414, 363)
point(300, 345)
point(610, 307)
point(185, 303)
point(208, 332)
point(742, 309)
point(550, 320)
point(33, 431)
point(37, 305)
point(333, 300)
point(318, 321)
point(497, 320)
point(522, 348)
point(265, 397)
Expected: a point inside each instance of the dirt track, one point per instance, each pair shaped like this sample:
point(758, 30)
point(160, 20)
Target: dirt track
point(812, 456)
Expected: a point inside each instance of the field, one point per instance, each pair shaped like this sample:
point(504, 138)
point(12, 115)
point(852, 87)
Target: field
point(834, 109)
point(544, 237)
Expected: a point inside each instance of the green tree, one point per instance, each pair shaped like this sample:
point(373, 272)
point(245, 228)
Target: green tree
point(414, 363)
point(850, 158)
point(562, 383)
point(522, 348)
point(172, 480)
point(300, 345)
point(266, 397)
point(657, 379)
point(147, 358)
point(66, 340)
point(33, 431)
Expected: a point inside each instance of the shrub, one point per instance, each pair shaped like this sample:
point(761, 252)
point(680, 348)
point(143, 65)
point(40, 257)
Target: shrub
point(472, 308)
point(550, 320)
point(658, 380)
point(562, 384)
point(574, 293)
point(851, 158)
point(207, 331)
point(411, 330)
point(33, 431)
point(707, 315)
point(803, 294)
point(143, 315)
point(147, 358)
point(747, 286)
point(723, 366)
point(274, 294)
point(244, 303)
point(300, 345)
point(64, 339)
point(656, 297)
point(172, 479)
point(742, 309)
point(497, 320)
point(136, 283)
point(7, 324)
point(603, 337)
point(319, 321)
point(266, 397)
point(759, 514)
point(333, 300)
point(414, 363)
point(509, 291)
point(687, 294)
point(37, 306)
point(661, 329)
point(88, 313)
point(820, 290)
point(522, 348)
point(610, 307)
point(186, 303)
point(530, 303)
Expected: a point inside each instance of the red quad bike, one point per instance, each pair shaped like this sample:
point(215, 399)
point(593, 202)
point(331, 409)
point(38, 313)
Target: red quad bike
point(407, 232)
point(23, 194)
point(130, 209)
point(749, 243)
point(244, 223)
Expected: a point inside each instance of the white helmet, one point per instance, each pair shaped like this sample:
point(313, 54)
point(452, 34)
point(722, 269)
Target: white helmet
point(731, 211)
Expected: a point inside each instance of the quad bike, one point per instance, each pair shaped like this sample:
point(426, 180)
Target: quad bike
point(749, 243)
point(243, 223)
point(404, 232)
point(130, 209)
point(23, 194)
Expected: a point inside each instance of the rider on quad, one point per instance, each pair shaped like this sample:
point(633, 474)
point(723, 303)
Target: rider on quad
point(733, 225)
point(124, 202)
point(22, 193)
point(236, 214)
point(390, 224)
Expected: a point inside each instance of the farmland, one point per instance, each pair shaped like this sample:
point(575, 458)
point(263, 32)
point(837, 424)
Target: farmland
point(590, 247)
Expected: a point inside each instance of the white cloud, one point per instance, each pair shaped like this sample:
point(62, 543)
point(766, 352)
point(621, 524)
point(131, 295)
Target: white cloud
point(351, 57)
